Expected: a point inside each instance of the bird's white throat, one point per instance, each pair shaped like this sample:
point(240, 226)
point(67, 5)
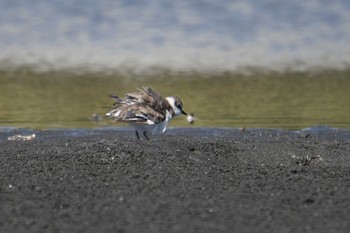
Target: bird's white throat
point(171, 101)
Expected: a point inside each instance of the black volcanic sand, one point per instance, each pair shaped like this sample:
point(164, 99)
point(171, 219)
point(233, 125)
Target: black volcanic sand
point(251, 181)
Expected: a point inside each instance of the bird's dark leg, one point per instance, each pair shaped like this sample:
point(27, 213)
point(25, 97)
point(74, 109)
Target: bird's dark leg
point(145, 134)
point(137, 134)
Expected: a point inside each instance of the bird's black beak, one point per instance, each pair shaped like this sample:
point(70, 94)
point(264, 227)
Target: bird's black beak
point(183, 112)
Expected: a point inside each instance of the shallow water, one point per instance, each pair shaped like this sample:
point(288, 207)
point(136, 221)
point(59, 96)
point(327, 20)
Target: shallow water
point(67, 99)
point(22, 134)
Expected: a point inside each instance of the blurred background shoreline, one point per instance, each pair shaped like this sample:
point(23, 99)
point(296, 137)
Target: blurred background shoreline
point(182, 35)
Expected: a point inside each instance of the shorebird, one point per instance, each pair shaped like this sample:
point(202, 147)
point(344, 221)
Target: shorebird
point(147, 111)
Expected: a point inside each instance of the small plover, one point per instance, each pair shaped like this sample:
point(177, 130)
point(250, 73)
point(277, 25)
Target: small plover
point(146, 110)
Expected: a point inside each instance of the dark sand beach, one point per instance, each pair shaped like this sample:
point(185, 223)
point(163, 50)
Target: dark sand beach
point(181, 181)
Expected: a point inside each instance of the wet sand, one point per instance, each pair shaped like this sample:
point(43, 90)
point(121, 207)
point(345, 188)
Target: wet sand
point(228, 181)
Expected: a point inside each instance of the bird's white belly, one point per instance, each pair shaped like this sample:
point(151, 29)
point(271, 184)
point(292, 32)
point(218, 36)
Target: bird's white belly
point(153, 128)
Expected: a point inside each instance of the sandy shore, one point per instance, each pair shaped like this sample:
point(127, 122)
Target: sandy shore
point(251, 181)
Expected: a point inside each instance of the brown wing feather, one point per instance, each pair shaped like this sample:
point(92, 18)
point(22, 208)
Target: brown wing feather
point(155, 100)
point(141, 106)
point(140, 113)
